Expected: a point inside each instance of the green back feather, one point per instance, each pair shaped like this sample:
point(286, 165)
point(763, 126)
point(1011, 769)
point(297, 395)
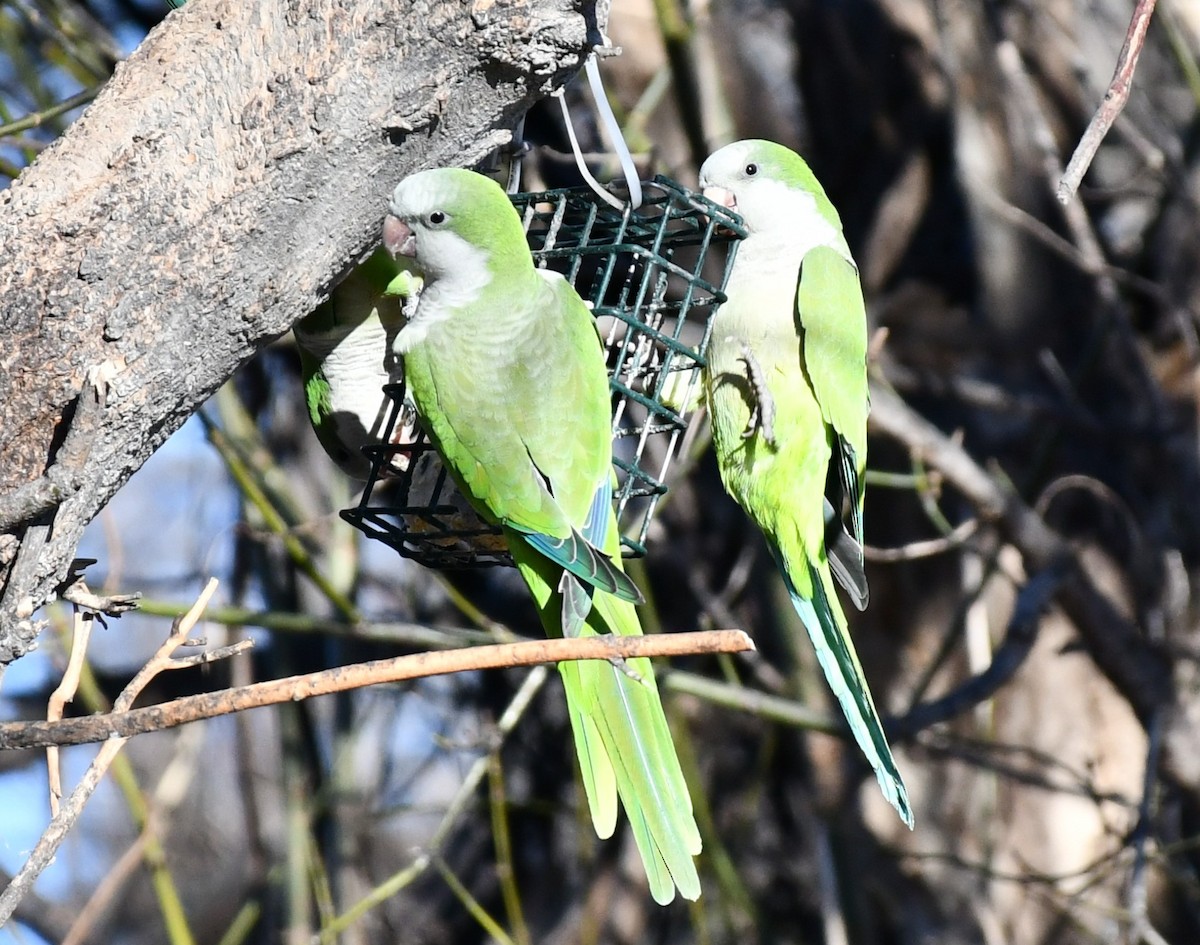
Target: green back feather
point(833, 322)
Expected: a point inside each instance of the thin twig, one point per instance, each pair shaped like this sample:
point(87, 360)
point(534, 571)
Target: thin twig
point(35, 119)
point(430, 637)
point(506, 874)
point(924, 549)
point(1022, 765)
point(386, 890)
point(124, 723)
point(64, 694)
point(267, 491)
point(1082, 231)
point(1063, 248)
point(473, 906)
point(151, 816)
point(753, 701)
point(1141, 929)
point(61, 824)
point(1112, 104)
point(116, 876)
point(110, 605)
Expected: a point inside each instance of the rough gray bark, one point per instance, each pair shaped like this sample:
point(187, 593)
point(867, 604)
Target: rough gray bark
point(232, 169)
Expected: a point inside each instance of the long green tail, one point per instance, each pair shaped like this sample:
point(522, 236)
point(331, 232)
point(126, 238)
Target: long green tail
point(621, 736)
point(822, 617)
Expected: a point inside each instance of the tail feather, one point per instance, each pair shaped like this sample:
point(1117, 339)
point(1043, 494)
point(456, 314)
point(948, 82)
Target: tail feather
point(826, 625)
point(619, 730)
point(621, 735)
point(845, 558)
point(599, 778)
point(642, 752)
point(648, 777)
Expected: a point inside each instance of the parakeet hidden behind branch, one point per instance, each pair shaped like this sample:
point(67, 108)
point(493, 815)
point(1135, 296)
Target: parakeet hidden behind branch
point(786, 386)
point(507, 373)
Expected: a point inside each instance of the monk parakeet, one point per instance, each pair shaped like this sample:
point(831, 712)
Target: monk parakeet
point(346, 357)
point(786, 384)
point(507, 372)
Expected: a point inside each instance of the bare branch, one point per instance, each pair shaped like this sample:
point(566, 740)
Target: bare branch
point(62, 822)
point(122, 722)
point(1113, 103)
point(924, 549)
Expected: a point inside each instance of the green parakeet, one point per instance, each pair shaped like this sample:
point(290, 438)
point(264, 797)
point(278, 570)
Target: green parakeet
point(786, 384)
point(346, 357)
point(507, 372)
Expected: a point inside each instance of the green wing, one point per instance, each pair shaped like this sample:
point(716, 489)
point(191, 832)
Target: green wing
point(833, 324)
point(529, 440)
point(621, 735)
point(575, 459)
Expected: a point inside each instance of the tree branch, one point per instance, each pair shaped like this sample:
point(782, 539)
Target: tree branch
point(235, 165)
point(1111, 106)
point(98, 728)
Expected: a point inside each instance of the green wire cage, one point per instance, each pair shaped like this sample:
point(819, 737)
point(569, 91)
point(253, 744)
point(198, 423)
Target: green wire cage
point(654, 285)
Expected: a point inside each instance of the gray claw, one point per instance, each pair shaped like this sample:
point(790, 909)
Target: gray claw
point(762, 413)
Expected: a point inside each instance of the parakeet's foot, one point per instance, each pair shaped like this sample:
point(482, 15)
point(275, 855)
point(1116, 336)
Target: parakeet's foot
point(406, 426)
point(621, 664)
point(404, 434)
point(762, 413)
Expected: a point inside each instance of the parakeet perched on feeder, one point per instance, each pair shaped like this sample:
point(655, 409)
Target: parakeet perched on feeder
point(346, 358)
point(506, 369)
point(786, 386)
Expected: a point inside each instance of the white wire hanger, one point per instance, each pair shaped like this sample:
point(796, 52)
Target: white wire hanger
point(600, 99)
point(596, 85)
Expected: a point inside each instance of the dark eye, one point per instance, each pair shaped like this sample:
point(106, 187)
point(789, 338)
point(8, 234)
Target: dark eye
point(437, 218)
point(751, 170)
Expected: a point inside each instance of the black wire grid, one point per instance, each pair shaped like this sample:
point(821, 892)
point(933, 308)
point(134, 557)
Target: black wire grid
point(644, 274)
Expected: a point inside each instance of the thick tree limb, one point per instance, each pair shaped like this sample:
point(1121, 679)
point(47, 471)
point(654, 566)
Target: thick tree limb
point(230, 171)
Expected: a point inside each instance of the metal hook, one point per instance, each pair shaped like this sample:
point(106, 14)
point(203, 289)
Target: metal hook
point(596, 84)
point(517, 150)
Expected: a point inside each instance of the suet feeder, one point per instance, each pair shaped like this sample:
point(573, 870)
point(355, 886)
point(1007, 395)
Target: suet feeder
point(653, 284)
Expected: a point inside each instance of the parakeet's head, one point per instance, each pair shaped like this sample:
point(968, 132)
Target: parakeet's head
point(446, 216)
point(770, 186)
